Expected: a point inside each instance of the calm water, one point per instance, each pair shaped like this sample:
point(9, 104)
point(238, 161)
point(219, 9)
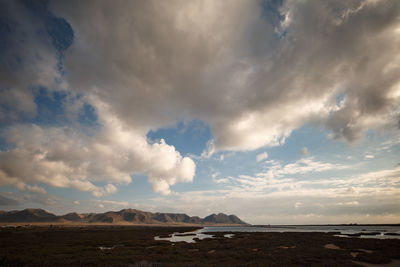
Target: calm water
point(343, 229)
point(206, 232)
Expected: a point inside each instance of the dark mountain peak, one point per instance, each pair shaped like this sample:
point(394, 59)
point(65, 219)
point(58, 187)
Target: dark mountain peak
point(171, 217)
point(27, 215)
point(38, 212)
point(222, 218)
point(107, 217)
point(73, 216)
point(128, 210)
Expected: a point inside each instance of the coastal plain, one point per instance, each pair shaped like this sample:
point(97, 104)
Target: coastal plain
point(135, 246)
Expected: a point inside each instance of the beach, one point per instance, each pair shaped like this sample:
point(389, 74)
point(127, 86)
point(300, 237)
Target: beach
point(136, 246)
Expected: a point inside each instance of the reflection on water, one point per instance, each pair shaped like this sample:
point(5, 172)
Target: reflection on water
point(363, 231)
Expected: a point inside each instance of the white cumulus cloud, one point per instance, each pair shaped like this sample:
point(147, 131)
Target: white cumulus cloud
point(262, 156)
point(63, 157)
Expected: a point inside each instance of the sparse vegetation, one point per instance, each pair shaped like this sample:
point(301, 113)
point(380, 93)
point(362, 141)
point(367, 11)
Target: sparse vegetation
point(135, 246)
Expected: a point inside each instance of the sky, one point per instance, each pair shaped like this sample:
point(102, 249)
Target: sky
point(277, 111)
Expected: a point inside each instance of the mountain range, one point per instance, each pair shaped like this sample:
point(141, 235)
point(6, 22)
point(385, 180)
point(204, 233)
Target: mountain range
point(124, 216)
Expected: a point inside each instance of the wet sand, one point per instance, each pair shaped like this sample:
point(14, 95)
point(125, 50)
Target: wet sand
point(135, 246)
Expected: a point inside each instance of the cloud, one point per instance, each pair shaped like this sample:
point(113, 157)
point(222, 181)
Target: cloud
point(364, 198)
point(261, 156)
point(209, 149)
point(35, 189)
point(302, 166)
point(114, 203)
point(277, 184)
point(368, 156)
point(28, 199)
point(76, 202)
point(220, 180)
point(27, 52)
point(7, 201)
point(304, 151)
point(298, 205)
point(252, 80)
point(64, 157)
point(351, 203)
point(270, 85)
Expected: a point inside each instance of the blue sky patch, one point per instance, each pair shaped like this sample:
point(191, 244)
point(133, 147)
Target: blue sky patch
point(50, 107)
point(270, 11)
point(60, 32)
point(187, 137)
